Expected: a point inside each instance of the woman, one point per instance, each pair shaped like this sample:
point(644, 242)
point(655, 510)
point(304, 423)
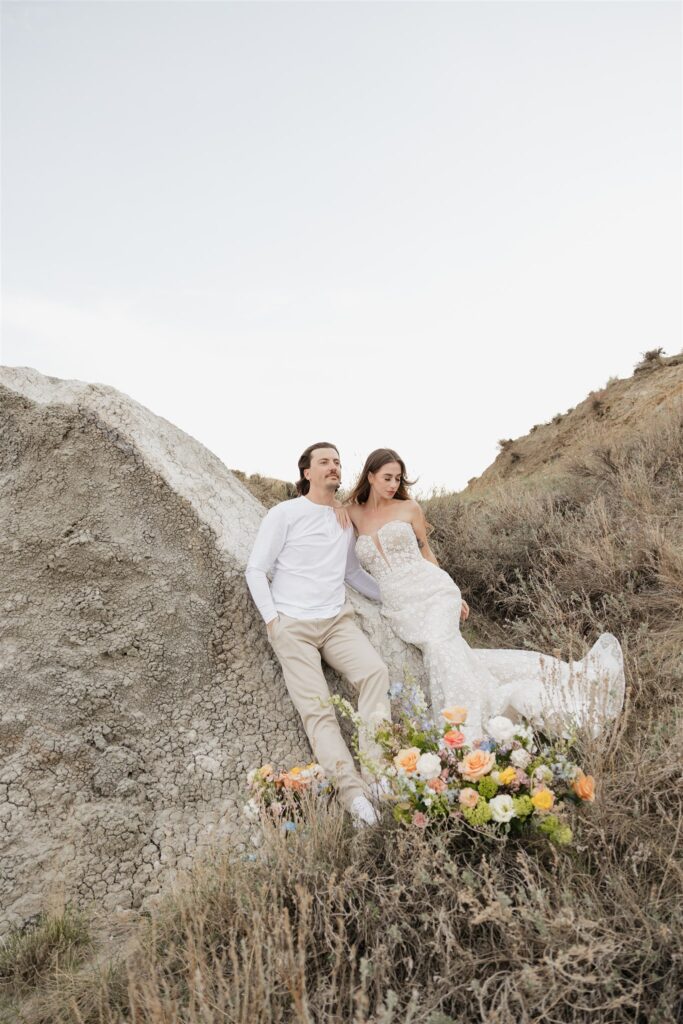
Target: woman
point(424, 606)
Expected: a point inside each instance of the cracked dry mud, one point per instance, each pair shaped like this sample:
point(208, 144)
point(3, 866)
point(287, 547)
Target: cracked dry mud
point(137, 686)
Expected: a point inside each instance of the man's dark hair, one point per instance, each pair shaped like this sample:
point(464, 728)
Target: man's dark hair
point(302, 484)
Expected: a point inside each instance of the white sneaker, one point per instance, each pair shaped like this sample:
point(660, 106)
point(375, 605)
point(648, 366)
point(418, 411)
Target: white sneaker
point(363, 813)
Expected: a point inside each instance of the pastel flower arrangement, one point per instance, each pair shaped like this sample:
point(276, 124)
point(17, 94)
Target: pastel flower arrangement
point(505, 781)
point(282, 795)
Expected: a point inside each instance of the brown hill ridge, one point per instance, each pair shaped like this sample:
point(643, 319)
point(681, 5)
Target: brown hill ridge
point(607, 417)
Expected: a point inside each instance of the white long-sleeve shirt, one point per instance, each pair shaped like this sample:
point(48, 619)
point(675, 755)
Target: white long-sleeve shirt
point(310, 556)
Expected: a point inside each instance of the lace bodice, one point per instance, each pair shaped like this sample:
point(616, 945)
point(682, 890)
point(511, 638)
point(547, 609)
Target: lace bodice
point(394, 549)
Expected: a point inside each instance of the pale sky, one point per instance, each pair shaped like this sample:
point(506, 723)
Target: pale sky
point(419, 225)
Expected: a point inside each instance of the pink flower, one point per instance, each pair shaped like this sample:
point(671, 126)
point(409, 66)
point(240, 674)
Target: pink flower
point(454, 738)
point(420, 819)
point(468, 797)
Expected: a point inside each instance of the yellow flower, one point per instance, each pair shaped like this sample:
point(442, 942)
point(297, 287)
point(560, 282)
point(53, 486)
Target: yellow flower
point(507, 776)
point(407, 759)
point(543, 799)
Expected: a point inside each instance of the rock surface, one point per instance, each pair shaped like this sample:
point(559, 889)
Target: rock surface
point(137, 686)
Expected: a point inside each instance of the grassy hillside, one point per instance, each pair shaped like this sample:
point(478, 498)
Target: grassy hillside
point(608, 418)
point(390, 927)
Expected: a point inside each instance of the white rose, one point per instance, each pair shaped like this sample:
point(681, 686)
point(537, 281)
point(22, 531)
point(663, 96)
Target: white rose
point(526, 734)
point(502, 807)
point(520, 758)
point(501, 729)
point(428, 766)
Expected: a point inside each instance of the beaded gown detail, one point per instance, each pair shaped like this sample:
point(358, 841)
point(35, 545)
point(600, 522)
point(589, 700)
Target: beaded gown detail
point(422, 604)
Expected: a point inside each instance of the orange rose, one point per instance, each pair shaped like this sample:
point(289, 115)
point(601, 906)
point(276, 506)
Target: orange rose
point(407, 759)
point(454, 738)
point(584, 787)
point(476, 764)
point(291, 780)
point(438, 785)
point(543, 799)
point(455, 715)
point(468, 797)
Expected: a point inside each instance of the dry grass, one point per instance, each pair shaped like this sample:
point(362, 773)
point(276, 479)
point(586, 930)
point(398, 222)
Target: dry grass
point(265, 489)
point(54, 942)
point(390, 927)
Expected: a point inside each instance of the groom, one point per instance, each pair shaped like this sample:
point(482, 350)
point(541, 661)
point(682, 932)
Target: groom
point(307, 616)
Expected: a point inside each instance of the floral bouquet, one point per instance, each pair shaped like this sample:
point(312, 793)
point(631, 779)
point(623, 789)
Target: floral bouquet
point(282, 795)
point(506, 781)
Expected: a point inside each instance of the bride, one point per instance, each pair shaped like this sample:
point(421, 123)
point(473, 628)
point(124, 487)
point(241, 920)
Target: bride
point(424, 607)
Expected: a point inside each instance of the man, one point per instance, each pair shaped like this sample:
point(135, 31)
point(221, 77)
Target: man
point(307, 616)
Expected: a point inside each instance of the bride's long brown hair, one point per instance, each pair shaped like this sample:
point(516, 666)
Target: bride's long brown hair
point(374, 462)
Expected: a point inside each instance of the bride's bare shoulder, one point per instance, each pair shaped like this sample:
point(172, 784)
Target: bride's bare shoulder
point(355, 513)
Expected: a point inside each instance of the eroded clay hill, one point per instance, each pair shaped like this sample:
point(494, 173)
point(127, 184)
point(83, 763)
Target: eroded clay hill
point(608, 418)
point(136, 683)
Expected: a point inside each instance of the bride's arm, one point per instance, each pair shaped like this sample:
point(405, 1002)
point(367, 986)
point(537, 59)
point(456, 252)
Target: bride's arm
point(419, 525)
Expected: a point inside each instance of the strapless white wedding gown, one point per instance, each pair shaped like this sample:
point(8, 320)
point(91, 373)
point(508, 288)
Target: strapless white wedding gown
point(422, 604)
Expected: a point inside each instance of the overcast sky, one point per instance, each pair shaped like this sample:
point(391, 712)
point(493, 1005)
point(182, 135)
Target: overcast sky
point(419, 225)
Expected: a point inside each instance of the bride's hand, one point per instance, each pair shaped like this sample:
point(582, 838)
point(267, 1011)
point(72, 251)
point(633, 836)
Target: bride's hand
point(464, 611)
point(343, 517)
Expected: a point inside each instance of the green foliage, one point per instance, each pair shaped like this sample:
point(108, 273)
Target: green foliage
point(478, 815)
point(523, 806)
point(488, 787)
point(423, 740)
point(556, 830)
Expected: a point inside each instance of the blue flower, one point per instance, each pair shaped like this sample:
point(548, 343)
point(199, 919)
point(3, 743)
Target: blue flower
point(289, 826)
point(487, 744)
point(396, 689)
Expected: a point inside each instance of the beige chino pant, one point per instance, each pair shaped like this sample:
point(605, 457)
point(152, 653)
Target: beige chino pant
point(299, 645)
